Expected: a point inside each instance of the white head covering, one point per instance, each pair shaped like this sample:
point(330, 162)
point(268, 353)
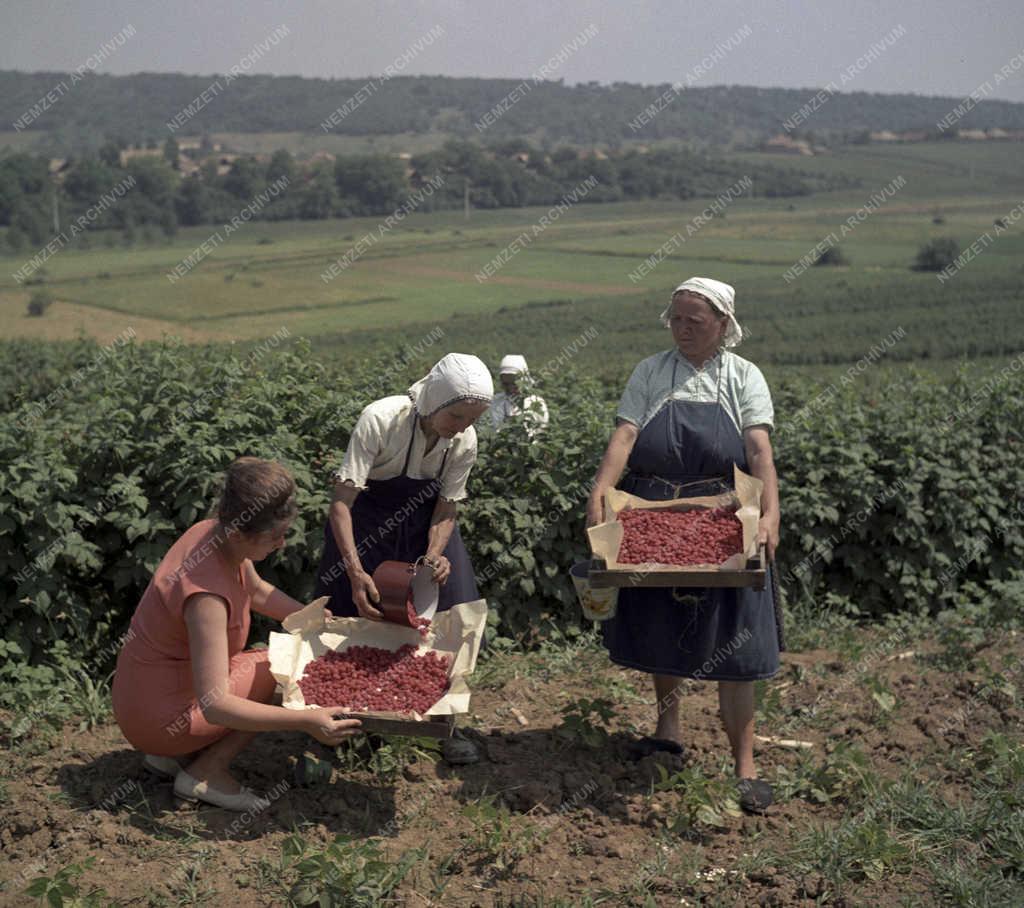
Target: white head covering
point(513, 364)
point(722, 298)
point(458, 376)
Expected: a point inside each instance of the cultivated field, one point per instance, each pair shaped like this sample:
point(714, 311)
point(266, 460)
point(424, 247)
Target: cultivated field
point(577, 272)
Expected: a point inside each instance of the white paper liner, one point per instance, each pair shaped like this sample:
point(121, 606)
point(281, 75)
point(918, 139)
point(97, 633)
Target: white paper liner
point(606, 538)
point(456, 633)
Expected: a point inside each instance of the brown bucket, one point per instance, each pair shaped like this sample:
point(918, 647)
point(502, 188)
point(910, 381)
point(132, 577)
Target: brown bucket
point(408, 593)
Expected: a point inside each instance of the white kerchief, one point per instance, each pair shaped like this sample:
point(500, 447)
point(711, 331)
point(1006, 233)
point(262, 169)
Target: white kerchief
point(458, 376)
point(722, 298)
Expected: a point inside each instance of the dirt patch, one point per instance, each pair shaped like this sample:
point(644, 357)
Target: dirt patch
point(576, 816)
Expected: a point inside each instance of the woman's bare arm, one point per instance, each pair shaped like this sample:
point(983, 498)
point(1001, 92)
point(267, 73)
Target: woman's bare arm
point(612, 464)
point(340, 518)
point(267, 599)
point(364, 593)
point(206, 617)
point(442, 523)
point(758, 445)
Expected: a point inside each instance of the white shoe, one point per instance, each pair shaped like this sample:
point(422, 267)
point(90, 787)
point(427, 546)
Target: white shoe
point(162, 766)
point(191, 789)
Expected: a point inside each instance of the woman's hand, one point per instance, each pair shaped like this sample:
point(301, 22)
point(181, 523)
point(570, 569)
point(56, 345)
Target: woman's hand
point(322, 725)
point(363, 594)
point(441, 567)
point(595, 509)
point(768, 533)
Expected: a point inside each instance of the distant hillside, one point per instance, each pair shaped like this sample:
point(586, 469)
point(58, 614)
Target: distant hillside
point(139, 107)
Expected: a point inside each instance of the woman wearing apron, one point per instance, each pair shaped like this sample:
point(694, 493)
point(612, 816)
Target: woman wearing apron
point(686, 417)
point(395, 495)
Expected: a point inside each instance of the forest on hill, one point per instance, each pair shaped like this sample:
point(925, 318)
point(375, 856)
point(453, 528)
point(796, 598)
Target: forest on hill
point(139, 107)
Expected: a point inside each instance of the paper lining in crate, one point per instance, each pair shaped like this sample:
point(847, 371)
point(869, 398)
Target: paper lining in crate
point(456, 633)
point(606, 538)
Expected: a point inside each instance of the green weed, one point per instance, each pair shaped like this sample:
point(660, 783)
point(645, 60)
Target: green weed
point(854, 850)
point(702, 803)
point(350, 873)
point(586, 721)
point(386, 758)
point(500, 839)
point(843, 775)
point(62, 890)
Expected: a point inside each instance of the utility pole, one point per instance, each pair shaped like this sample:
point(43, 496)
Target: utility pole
point(56, 211)
point(465, 199)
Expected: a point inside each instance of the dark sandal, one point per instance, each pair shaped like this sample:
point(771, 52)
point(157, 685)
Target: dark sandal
point(756, 795)
point(647, 745)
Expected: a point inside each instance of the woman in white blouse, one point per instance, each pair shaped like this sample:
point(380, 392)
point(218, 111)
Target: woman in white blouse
point(687, 415)
point(406, 466)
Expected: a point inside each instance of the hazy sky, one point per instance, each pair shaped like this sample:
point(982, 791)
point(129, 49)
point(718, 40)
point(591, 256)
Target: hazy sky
point(947, 48)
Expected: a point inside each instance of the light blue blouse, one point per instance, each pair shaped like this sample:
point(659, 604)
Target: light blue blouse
point(743, 391)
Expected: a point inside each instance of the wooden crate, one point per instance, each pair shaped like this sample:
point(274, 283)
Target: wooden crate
point(439, 727)
point(754, 575)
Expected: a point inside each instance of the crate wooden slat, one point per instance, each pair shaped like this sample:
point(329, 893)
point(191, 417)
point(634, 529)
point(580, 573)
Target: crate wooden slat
point(441, 727)
point(754, 576)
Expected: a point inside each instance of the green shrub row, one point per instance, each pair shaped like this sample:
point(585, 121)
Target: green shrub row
point(900, 498)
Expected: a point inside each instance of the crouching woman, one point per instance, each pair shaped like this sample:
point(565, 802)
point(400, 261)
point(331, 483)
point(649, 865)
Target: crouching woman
point(186, 691)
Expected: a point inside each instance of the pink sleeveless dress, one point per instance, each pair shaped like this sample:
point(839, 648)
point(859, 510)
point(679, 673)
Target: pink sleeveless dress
point(153, 697)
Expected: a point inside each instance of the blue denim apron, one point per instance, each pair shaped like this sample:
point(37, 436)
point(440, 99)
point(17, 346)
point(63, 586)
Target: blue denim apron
point(718, 634)
point(391, 522)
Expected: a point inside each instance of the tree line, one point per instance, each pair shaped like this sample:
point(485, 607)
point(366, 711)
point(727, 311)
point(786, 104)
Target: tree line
point(513, 173)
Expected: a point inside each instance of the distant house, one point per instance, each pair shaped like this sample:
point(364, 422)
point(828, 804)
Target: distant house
point(187, 167)
point(973, 135)
point(224, 162)
point(783, 144)
point(914, 135)
point(997, 133)
point(884, 135)
point(319, 156)
point(129, 154)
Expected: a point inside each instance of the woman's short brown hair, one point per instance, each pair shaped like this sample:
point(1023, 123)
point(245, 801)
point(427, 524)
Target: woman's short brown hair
point(258, 496)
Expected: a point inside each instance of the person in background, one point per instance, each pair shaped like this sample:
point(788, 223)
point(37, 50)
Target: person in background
point(186, 692)
point(687, 416)
point(514, 399)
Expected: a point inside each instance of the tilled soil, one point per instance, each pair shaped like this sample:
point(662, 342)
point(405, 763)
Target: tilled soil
point(599, 829)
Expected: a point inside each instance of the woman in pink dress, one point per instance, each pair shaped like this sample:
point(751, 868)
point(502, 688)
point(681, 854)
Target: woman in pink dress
point(186, 691)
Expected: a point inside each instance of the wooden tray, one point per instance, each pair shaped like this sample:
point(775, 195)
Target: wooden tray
point(755, 575)
point(440, 727)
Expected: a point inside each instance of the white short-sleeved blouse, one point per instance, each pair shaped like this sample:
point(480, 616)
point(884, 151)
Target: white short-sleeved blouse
point(380, 440)
point(532, 407)
point(744, 392)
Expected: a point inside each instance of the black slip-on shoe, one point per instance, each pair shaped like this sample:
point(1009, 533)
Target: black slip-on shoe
point(756, 795)
point(647, 745)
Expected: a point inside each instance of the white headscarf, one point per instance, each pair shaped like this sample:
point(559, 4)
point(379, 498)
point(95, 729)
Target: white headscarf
point(722, 298)
point(513, 364)
point(456, 377)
